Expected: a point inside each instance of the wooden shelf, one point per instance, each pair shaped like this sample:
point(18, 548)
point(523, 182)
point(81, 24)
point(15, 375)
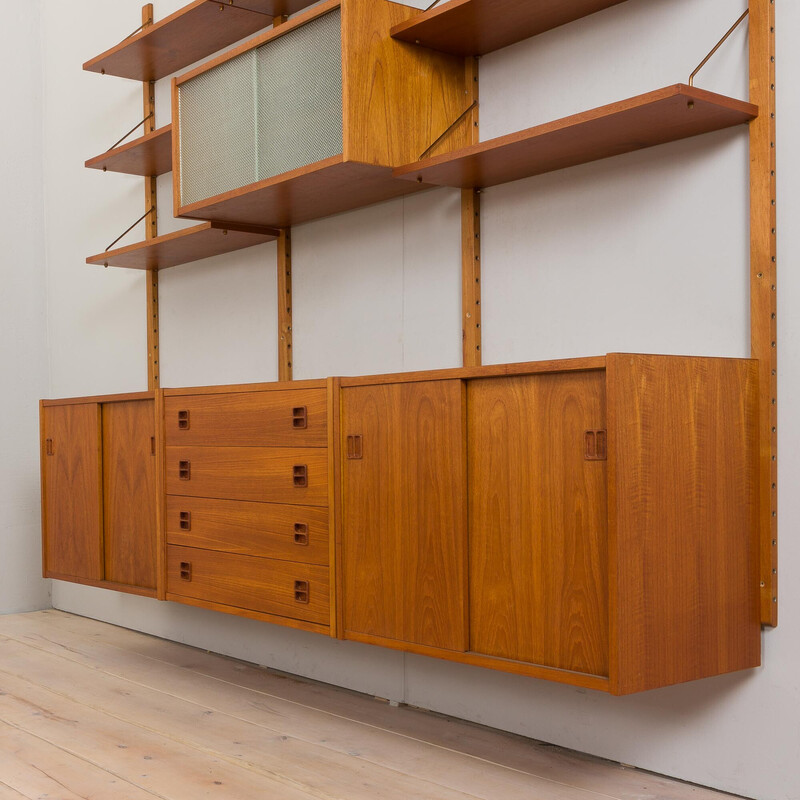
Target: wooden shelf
point(319, 190)
point(476, 27)
point(183, 247)
point(194, 32)
point(148, 155)
point(666, 115)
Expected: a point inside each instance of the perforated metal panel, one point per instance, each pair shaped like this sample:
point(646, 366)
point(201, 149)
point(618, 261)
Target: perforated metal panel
point(268, 111)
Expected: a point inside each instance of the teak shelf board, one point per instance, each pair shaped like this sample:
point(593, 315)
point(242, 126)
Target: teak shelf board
point(477, 27)
point(148, 155)
point(318, 190)
point(183, 247)
point(193, 32)
point(665, 115)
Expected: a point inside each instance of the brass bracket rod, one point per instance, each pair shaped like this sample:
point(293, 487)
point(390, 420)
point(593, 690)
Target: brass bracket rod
point(450, 128)
point(128, 230)
point(718, 45)
point(131, 35)
point(434, 3)
point(135, 127)
point(231, 4)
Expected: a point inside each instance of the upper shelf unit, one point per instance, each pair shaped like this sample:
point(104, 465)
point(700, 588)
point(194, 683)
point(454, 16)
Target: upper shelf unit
point(183, 247)
point(477, 27)
point(149, 155)
point(190, 34)
point(666, 115)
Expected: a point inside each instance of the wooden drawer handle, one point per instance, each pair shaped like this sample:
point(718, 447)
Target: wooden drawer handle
point(186, 570)
point(185, 470)
point(183, 420)
point(48, 447)
point(355, 447)
point(300, 475)
point(596, 446)
point(300, 417)
point(301, 591)
point(301, 533)
point(185, 520)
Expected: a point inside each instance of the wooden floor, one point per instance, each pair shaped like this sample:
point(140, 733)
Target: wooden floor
point(88, 710)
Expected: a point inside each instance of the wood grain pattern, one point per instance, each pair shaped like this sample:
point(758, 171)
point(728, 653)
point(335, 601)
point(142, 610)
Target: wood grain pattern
point(267, 530)
point(334, 500)
point(148, 155)
point(318, 190)
point(471, 278)
point(397, 99)
point(259, 584)
point(129, 493)
point(185, 246)
point(161, 497)
point(73, 491)
point(683, 503)
point(477, 27)
point(100, 398)
point(666, 115)
point(260, 474)
point(538, 521)
point(253, 419)
point(763, 288)
point(233, 388)
point(193, 32)
point(404, 537)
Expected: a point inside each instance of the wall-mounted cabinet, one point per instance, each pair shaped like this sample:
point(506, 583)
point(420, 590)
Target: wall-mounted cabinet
point(99, 491)
point(307, 119)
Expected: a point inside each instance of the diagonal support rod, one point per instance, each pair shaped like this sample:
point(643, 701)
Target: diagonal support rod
point(718, 45)
point(135, 127)
point(450, 128)
point(128, 230)
point(231, 4)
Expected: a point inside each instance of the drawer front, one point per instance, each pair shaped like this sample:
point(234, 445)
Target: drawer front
point(269, 530)
point(297, 591)
point(297, 476)
point(291, 418)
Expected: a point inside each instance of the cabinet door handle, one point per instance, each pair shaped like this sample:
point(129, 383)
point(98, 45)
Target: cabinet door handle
point(186, 570)
point(300, 417)
point(183, 420)
point(300, 475)
point(301, 533)
point(185, 470)
point(48, 447)
point(596, 446)
point(152, 445)
point(185, 520)
point(355, 447)
point(301, 591)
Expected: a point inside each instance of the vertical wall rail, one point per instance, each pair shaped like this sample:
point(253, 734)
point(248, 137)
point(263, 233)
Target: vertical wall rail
point(763, 288)
point(285, 305)
point(151, 226)
point(471, 241)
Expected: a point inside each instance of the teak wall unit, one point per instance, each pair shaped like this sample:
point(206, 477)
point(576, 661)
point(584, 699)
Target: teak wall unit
point(589, 521)
point(608, 523)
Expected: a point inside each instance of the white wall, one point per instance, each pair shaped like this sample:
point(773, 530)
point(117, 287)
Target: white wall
point(644, 252)
point(23, 319)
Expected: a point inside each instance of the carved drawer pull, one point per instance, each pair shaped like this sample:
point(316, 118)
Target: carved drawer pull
point(355, 448)
point(300, 417)
point(596, 446)
point(183, 420)
point(301, 591)
point(186, 570)
point(186, 520)
point(185, 470)
point(300, 475)
point(48, 447)
point(301, 533)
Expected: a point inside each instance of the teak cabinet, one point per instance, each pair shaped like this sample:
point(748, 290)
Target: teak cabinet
point(99, 491)
point(589, 521)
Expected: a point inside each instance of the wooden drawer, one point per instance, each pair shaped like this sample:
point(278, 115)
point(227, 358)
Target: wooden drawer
point(286, 589)
point(269, 530)
point(264, 474)
point(291, 418)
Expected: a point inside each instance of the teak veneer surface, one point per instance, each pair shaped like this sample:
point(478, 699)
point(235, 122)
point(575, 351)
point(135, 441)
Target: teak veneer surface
point(477, 27)
point(252, 419)
point(260, 474)
point(149, 155)
point(404, 515)
point(666, 115)
point(185, 246)
point(193, 32)
point(129, 493)
point(268, 530)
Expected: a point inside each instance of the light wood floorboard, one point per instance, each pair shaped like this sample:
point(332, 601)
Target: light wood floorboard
point(89, 710)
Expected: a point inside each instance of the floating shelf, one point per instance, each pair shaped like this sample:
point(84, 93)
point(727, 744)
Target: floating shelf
point(190, 34)
point(319, 190)
point(183, 247)
point(148, 155)
point(665, 115)
point(476, 27)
